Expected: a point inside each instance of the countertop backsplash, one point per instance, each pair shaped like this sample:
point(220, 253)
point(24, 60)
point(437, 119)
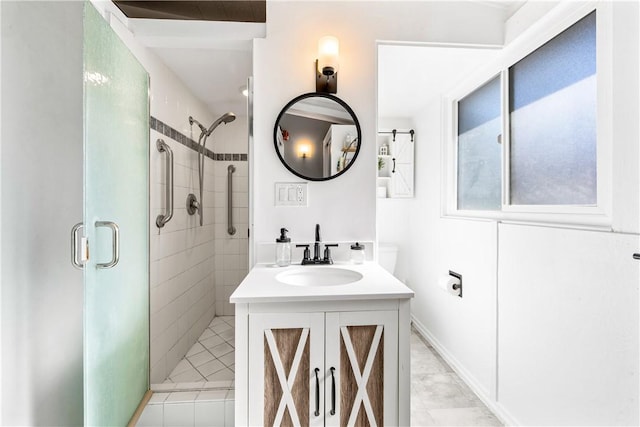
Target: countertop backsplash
point(266, 252)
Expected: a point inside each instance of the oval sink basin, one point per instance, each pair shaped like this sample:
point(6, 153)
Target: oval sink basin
point(318, 276)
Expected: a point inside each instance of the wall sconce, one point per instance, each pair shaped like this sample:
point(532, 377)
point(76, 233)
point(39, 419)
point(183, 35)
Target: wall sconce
point(304, 150)
point(327, 65)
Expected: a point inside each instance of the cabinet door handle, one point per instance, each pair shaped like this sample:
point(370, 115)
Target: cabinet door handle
point(394, 165)
point(636, 256)
point(317, 412)
point(333, 392)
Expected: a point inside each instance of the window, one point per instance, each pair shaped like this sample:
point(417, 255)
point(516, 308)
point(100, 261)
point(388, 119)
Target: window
point(549, 132)
point(552, 116)
point(479, 154)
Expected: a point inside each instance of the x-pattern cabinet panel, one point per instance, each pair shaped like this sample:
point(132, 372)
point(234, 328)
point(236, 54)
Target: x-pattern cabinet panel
point(323, 368)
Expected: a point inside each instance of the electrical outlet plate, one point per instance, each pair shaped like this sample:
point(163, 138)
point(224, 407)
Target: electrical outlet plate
point(291, 194)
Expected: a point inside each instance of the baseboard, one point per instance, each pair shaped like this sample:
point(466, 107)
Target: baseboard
point(498, 410)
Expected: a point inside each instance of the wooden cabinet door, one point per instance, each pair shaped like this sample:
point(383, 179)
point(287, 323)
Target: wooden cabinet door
point(284, 352)
point(362, 349)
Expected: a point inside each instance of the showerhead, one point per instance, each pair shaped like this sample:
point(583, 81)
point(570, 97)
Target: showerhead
point(225, 118)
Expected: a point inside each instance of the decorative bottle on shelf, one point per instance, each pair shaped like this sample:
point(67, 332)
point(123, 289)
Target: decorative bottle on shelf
point(283, 249)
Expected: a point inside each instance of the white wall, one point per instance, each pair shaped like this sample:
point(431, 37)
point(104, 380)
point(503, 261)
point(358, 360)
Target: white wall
point(283, 69)
point(42, 293)
point(547, 331)
point(568, 326)
point(429, 247)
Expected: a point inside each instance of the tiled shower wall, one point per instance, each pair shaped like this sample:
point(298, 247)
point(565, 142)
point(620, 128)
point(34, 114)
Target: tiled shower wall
point(182, 258)
point(195, 269)
point(231, 252)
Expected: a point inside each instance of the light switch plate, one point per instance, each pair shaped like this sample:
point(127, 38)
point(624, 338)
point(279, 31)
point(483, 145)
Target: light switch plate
point(291, 194)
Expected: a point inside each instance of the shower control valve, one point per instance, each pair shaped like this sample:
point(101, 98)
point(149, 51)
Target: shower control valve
point(193, 205)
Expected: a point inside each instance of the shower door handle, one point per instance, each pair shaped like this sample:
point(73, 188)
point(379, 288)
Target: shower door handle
point(75, 232)
point(115, 243)
point(161, 220)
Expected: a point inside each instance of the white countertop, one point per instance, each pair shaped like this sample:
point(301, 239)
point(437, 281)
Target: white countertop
point(261, 286)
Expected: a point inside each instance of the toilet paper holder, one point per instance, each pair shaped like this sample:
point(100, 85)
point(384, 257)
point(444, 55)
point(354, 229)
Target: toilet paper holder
point(457, 286)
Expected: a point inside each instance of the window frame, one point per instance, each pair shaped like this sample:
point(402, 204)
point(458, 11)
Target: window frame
point(556, 21)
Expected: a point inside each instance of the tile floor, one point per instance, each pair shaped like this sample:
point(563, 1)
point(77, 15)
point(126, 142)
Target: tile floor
point(438, 396)
point(212, 357)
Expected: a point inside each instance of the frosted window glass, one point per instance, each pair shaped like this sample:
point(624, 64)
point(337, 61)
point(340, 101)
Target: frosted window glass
point(553, 120)
point(479, 153)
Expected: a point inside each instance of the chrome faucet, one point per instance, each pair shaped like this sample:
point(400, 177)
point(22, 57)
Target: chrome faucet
point(326, 259)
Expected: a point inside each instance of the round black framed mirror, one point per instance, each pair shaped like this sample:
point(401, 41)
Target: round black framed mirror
point(317, 136)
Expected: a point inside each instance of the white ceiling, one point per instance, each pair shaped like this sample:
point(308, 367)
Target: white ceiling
point(214, 59)
point(411, 77)
point(215, 76)
point(509, 7)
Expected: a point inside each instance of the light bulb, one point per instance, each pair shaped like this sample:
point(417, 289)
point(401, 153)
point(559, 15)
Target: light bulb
point(328, 55)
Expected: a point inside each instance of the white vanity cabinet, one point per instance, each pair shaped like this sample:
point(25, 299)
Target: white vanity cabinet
point(318, 353)
point(323, 368)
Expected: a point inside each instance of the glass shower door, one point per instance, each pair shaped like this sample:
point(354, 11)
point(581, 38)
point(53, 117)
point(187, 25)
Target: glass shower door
point(116, 277)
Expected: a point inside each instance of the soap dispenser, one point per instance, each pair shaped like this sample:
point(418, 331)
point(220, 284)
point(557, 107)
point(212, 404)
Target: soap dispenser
point(357, 253)
point(283, 249)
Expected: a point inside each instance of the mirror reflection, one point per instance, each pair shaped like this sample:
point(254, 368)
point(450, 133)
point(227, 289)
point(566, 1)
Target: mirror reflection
point(317, 136)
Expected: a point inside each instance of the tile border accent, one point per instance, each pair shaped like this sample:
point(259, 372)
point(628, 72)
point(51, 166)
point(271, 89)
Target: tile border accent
point(159, 126)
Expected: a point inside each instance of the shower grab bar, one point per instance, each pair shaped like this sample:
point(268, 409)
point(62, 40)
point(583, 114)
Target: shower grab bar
point(161, 220)
point(230, 229)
